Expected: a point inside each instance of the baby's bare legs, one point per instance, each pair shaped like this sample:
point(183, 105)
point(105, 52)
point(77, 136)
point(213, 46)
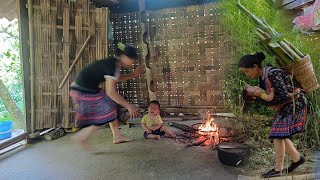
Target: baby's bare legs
point(167, 131)
point(152, 136)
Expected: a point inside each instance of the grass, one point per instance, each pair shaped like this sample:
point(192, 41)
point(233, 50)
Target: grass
point(5, 119)
point(242, 41)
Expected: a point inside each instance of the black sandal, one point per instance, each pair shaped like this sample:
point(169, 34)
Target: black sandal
point(272, 173)
point(294, 165)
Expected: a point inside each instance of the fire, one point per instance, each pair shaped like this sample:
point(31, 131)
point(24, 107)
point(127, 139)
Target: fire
point(209, 127)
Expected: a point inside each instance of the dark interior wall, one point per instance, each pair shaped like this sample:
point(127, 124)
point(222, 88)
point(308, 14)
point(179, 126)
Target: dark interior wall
point(132, 5)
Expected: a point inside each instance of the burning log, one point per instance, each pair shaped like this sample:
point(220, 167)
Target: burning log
point(208, 142)
point(199, 141)
point(206, 134)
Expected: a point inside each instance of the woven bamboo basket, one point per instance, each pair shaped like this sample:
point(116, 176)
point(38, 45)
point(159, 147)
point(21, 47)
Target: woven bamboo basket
point(303, 73)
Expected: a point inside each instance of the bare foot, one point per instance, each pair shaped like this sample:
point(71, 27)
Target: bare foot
point(122, 139)
point(80, 141)
point(173, 135)
point(158, 137)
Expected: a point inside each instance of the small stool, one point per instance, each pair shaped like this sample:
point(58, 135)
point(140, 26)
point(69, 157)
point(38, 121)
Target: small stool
point(133, 121)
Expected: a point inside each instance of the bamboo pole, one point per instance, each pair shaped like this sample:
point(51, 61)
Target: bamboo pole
point(31, 43)
point(98, 33)
point(75, 61)
point(66, 20)
point(107, 34)
point(283, 55)
point(104, 32)
point(92, 31)
point(290, 51)
point(54, 67)
point(258, 21)
point(79, 39)
point(294, 48)
point(295, 56)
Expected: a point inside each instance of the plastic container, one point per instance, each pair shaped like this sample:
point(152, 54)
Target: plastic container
point(5, 129)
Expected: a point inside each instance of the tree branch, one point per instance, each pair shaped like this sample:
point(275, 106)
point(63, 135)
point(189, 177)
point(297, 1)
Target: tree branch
point(10, 105)
point(4, 30)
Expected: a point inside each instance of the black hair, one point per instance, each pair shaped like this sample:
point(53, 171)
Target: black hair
point(249, 60)
point(127, 50)
point(155, 102)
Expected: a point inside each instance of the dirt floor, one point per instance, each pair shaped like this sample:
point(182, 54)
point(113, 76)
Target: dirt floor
point(262, 160)
point(141, 159)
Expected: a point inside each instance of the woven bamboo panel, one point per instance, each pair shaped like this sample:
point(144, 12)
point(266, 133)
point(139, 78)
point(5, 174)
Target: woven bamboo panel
point(189, 52)
point(60, 30)
point(188, 47)
point(126, 28)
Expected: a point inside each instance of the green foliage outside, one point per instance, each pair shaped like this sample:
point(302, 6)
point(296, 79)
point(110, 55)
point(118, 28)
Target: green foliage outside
point(240, 29)
point(10, 66)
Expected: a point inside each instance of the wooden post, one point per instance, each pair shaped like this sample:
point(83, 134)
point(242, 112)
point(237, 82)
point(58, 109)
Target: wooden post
point(31, 44)
point(145, 50)
point(24, 57)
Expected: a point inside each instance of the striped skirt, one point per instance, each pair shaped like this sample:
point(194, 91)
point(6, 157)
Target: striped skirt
point(93, 109)
point(286, 125)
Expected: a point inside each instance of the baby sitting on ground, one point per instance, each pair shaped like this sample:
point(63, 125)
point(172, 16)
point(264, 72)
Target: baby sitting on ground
point(153, 124)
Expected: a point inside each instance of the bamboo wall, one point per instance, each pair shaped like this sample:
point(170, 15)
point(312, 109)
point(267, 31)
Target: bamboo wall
point(126, 28)
point(60, 30)
point(188, 48)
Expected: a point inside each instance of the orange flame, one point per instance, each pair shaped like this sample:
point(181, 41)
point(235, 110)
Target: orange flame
point(209, 127)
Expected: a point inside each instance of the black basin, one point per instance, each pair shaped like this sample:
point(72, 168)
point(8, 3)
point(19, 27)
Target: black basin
point(233, 154)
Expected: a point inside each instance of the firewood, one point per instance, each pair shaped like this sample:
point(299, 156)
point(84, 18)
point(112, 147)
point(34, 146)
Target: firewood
point(199, 141)
point(207, 142)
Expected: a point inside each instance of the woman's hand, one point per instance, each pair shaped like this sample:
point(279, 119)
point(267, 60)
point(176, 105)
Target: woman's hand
point(137, 71)
point(132, 110)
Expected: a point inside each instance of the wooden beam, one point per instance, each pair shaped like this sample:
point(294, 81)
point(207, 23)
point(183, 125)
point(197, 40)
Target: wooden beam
point(24, 57)
point(75, 61)
point(31, 43)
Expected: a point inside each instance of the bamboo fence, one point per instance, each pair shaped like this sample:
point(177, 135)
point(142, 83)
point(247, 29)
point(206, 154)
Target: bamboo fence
point(68, 35)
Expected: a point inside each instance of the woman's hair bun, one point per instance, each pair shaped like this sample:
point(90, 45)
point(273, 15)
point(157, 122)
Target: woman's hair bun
point(127, 50)
point(260, 56)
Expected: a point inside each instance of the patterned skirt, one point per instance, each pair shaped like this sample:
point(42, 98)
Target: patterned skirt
point(93, 109)
point(285, 125)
